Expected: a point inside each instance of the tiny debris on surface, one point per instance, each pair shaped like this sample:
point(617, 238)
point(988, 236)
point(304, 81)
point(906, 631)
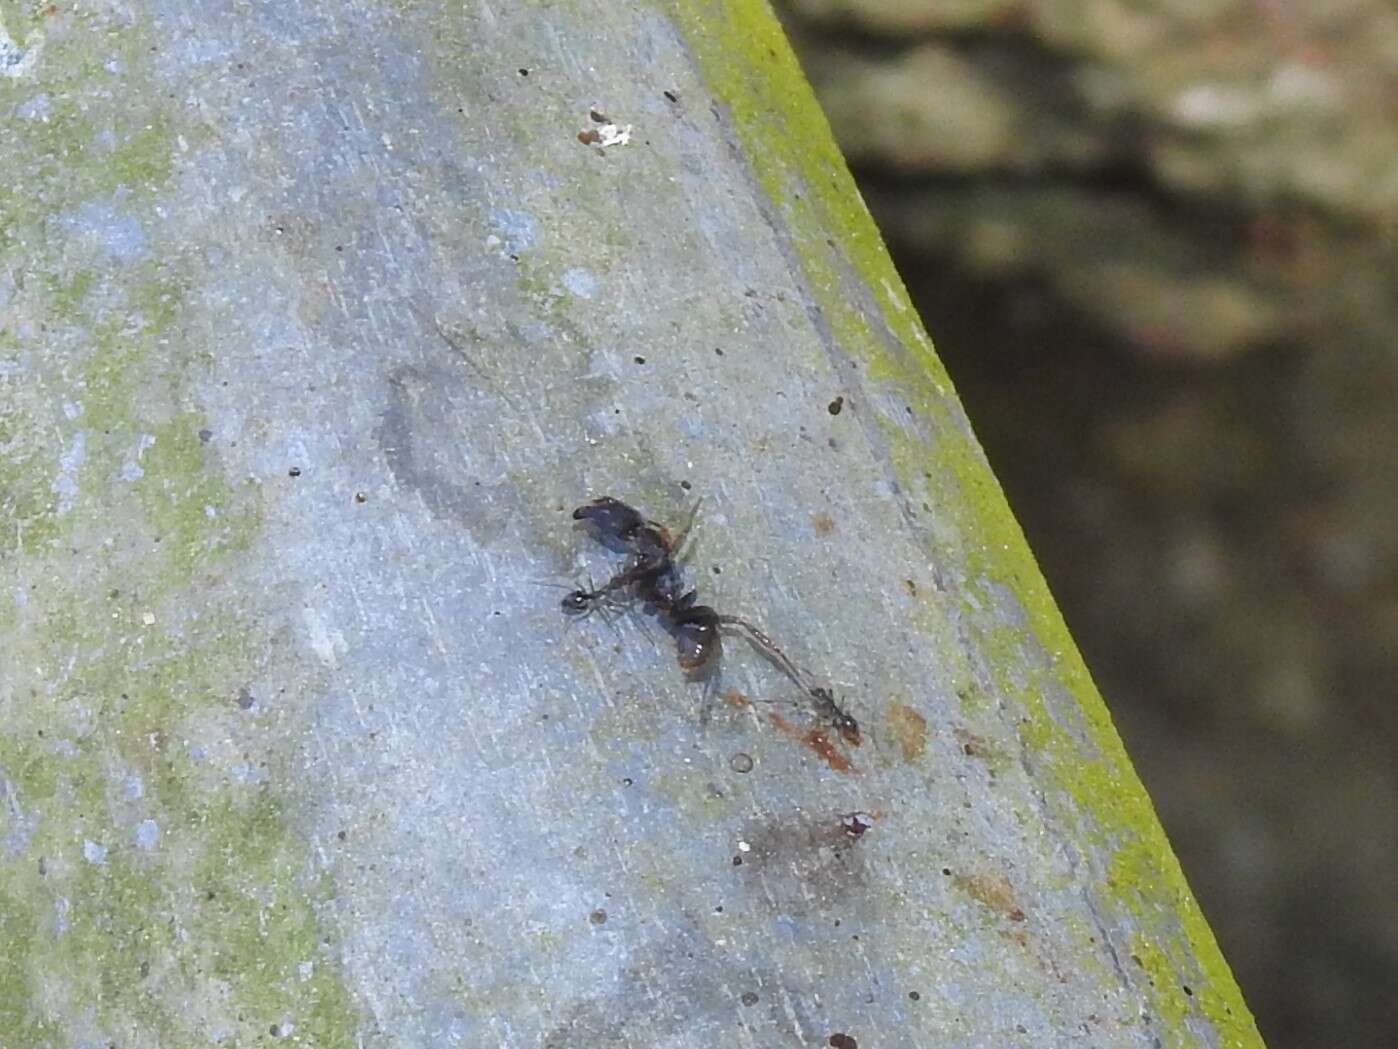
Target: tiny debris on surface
point(607, 132)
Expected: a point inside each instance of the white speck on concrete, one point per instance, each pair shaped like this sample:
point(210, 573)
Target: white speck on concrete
point(130, 470)
point(76, 455)
point(326, 642)
point(517, 227)
point(16, 61)
point(147, 834)
point(117, 234)
point(71, 410)
point(612, 135)
point(36, 108)
point(93, 852)
point(580, 282)
point(65, 485)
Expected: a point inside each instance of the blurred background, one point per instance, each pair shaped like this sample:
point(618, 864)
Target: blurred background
point(1156, 242)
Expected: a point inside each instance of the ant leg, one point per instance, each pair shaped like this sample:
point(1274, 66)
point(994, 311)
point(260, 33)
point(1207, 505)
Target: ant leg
point(769, 650)
point(682, 536)
point(710, 680)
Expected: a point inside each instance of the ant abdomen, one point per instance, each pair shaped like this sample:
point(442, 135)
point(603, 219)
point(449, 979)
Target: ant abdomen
point(696, 644)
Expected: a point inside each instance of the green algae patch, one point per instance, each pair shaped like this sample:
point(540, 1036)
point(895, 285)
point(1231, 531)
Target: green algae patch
point(155, 888)
point(1065, 729)
point(749, 65)
point(154, 892)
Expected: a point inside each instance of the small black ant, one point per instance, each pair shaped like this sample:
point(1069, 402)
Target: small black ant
point(824, 705)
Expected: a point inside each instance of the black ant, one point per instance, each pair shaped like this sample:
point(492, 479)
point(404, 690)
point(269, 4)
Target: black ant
point(654, 577)
point(822, 699)
point(824, 705)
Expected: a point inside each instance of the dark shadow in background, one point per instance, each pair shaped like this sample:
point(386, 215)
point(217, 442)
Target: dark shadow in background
point(1189, 579)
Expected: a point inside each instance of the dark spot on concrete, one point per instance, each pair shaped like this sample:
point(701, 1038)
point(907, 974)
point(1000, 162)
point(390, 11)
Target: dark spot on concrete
point(342, 835)
point(424, 410)
point(598, 917)
point(914, 996)
point(972, 745)
point(1187, 989)
point(909, 730)
point(737, 861)
point(522, 71)
point(627, 781)
point(670, 96)
point(686, 485)
point(856, 823)
point(749, 998)
point(835, 406)
point(205, 436)
point(639, 359)
point(802, 864)
point(718, 351)
point(740, 762)
point(246, 699)
point(910, 587)
point(843, 1041)
point(993, 890)
point(295, 471)
point(598, 117)
point(824, 524)
point(360, 497)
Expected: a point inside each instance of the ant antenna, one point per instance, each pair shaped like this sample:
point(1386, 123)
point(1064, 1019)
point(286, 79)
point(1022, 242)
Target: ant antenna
point(678, 542)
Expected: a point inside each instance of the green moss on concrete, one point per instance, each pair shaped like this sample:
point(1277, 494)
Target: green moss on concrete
point(118, 673)
point(750, 68)
point(212, 929)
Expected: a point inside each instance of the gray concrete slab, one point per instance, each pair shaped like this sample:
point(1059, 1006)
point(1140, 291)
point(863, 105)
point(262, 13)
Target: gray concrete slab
point(316, 320)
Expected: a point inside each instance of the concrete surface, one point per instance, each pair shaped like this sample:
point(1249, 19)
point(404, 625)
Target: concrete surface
point(316, 320)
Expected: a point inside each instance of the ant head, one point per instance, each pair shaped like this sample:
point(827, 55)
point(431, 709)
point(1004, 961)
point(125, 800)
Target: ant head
point(848, 729)
point(696, 644)
point(577, 602)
